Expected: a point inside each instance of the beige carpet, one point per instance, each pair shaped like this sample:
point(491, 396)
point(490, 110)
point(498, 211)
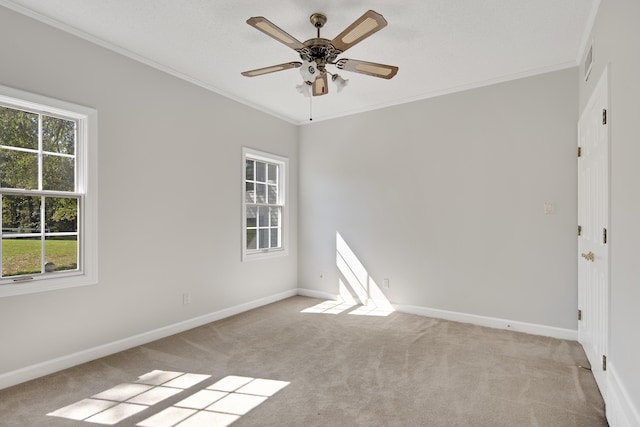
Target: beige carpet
point(281, 366)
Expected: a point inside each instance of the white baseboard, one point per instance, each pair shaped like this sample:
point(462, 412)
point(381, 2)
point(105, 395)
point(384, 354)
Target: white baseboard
point(318, 294)
point(18, 376)
point(620, 409)
point(50, 366)
point(491, 322)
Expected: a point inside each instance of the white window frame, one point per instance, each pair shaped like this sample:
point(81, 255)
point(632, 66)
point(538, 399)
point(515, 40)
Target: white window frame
point(86, 185)
point(283, 169)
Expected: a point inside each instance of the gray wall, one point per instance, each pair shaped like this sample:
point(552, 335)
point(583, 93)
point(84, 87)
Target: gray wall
point(169, 198)
point(444, 197)
point(615, 42)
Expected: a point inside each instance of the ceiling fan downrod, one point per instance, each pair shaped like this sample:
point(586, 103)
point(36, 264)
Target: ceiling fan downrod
point(318, 20)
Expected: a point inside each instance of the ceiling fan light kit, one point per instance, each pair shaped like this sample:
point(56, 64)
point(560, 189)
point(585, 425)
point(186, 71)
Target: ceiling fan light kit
point(316, 53)
point(339, 81)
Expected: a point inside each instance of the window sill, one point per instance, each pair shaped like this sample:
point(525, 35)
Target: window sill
point(264, 254)
point(43, 284)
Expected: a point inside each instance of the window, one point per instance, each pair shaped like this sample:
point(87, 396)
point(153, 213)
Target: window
point(264, 228)
point(48, 193)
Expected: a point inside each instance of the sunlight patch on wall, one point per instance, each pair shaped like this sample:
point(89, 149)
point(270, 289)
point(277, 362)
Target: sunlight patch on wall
point(354, 274)
point(220, 404)
point(358, 285)
point(356, 288)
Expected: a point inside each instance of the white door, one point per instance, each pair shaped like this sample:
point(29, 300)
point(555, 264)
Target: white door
point(593, 221)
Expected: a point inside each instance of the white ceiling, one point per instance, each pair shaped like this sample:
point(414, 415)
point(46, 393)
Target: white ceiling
point(440, 46)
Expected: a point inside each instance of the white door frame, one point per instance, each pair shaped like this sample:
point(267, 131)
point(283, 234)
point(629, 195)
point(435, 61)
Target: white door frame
point(593, 221)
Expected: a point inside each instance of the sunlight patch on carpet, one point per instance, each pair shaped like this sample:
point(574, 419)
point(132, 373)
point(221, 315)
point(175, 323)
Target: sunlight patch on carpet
point(219, 404)
point(372, 310)
point(329, 307)
point(337, 307)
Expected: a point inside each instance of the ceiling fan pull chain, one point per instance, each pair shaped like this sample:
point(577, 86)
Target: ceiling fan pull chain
point(310, 108)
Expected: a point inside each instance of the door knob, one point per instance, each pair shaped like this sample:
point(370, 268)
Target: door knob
point(589, 256)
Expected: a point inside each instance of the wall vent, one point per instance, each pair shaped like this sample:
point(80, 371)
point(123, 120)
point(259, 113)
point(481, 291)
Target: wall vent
point(588, 63)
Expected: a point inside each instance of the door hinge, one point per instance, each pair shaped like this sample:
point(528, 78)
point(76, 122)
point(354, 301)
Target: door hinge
point(579, 230)
point(604, 236)
point(579, 151)
point(579, 314)
point(604, 116)
point(604, 362)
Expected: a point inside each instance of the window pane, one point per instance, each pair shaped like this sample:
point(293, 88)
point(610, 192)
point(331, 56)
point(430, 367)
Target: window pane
point(21, 256)
point(250, 193)
point(58, 135)
point(263, 216)
point(61, 253)
point(18, 128)
point(261, 172)
point(273, 194)
point(251, 239)
point(261, 193)
point(275, 217)
point(273, 173)
point(61, 214)
point(58, 173)
point(20, 214)
point(264, 238)
point(249, 170)
point(252, 213)
point(275, 238)
point(18, 169)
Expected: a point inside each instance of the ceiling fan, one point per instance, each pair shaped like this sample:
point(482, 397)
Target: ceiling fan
point(316, 53)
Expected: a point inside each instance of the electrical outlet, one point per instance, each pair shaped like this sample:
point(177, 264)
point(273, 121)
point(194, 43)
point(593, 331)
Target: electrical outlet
point(386, 283)
point(186, 298)
point(549, 208)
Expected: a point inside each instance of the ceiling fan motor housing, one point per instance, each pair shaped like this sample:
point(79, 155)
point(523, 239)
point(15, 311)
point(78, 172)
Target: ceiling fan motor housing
point(320, 51)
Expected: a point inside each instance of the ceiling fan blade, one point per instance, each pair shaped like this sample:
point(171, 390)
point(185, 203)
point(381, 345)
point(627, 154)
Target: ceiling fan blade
point(369, 68)
point(271, 69)
point(362, 28)
point(272, 30)
point(320, 85)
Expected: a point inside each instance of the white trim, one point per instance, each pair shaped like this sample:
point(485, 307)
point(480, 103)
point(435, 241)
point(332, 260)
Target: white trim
point(87, 155)
point(586, 37)
point(18, 376)
point(594, 333)
point(139, 58)
point(318, 294)
point(620, 409)
point(283, 184)
point(136, 57)
point(491, 322)
point(447, 91)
